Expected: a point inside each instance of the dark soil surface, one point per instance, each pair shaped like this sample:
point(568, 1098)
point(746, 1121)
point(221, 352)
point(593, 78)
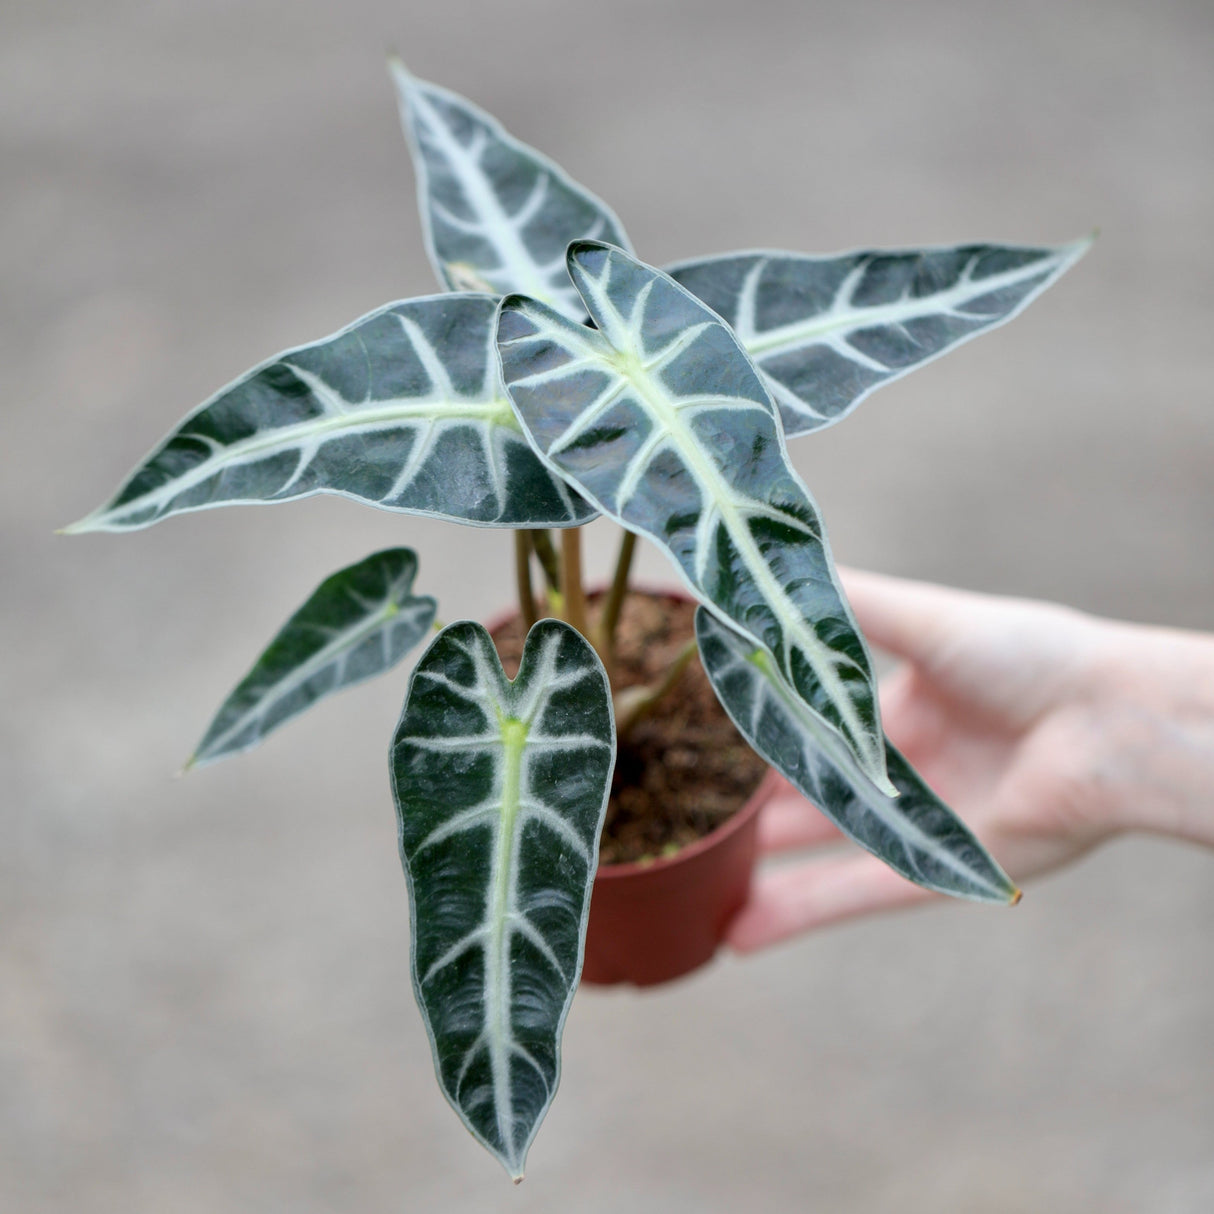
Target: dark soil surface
point(684, 769)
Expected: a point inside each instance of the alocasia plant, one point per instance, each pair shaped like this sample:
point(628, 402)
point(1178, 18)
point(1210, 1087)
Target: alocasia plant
point(558, 377)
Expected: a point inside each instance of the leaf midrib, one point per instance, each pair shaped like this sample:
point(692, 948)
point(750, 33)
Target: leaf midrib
point(839, 320)
point(727, 507)
point(501, 897)
point(517, 256)
point(490, 413)
point(909, 832)
point(389, 610)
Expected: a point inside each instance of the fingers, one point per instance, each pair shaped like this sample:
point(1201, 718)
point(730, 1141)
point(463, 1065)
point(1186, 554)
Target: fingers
point(900, 707)
point(909, 619)
point(788, 820)
point(793, 900)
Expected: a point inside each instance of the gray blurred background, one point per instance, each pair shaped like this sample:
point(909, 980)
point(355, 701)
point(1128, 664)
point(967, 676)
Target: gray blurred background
point(204, 991)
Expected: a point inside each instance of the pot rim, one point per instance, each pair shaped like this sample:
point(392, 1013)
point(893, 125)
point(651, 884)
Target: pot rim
point(764, 790)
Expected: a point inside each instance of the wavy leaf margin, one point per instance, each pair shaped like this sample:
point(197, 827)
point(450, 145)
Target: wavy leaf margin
point(501, 788)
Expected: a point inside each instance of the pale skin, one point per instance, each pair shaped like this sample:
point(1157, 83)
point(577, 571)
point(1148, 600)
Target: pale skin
point(1048, 730)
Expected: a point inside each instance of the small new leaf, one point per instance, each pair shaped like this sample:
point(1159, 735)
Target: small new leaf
point(658, 417)
point(915, 833)
point(357, 624)
point(500, 789)
point(496, 214)
point(827, 331)
point(402, 410)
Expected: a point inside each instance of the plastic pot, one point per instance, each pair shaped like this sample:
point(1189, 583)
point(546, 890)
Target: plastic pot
point(659, 919)
point(656, 921)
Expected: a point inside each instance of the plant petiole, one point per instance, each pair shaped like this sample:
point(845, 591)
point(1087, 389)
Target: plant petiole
point(633, 704)
point(616, 594)
point(522, 575)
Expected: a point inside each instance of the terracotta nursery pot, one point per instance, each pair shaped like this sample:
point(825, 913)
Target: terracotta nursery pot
point(656, 920)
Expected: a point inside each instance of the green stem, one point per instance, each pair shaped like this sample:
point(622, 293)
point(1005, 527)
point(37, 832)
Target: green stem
point(634, 703)
point(522, 576)
point(550, 562)
point(572, 590)
point(610, 618)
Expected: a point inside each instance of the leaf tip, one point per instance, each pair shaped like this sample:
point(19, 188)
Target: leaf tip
point(886, 785)
point(80, 526)
point(405, 83)
point(202, 757)
point(1017, 895)
point(1077, 248)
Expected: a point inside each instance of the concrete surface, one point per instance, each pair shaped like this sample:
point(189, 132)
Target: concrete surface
point(204, 993)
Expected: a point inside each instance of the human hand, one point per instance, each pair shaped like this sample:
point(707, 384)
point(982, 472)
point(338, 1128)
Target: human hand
point(1048, 730)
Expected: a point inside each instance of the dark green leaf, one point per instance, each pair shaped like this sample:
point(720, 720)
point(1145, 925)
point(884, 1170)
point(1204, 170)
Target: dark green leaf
point(826, 331)
point(358, 623)
point(915, 833)
point(501, 790)
point(497, 215)
point(659, 418)
point(403, 410)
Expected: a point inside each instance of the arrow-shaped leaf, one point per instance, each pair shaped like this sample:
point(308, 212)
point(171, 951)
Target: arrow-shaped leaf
point(358, 623)
point(915, 833)
point(660, 419)
point(827, 331)
point(501, 788)
point(497, 215)
point(403, 410)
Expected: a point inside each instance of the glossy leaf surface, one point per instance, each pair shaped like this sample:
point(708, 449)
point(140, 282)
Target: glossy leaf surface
point(357, 624)
point(497, 215)
point(501, 790)
point(403, 410)
point(827, 331)
point(915, 833)
point(659, 419)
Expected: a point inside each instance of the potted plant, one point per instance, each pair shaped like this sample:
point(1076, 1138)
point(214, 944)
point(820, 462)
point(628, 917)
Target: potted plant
point(558, 377)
